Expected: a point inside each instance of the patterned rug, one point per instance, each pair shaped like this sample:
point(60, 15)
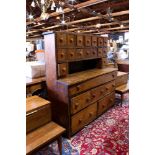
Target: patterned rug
point(107, 135)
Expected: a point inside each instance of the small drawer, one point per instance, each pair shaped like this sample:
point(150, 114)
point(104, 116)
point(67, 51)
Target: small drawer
point(100, 41)
point(71, 54)
point(100, 52)
point(61, 39)
point(37, 118)
point(84, 117)
point(104, 52)
point(110, 87)
point(105, 43)
point(87, 40)
point(104, 62)
point(79, 54)
point(87, 53)
point(93, 52)
point(105, 103)
point(94, 41)
point(80, 40)
point(61, 55)
point(79, 102)
point(62, 70)
point(70, 40)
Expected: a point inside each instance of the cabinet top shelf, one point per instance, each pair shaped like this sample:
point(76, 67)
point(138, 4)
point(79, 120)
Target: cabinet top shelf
point(85, 75)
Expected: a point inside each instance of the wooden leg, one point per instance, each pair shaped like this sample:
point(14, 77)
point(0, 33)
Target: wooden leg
point(121, 99)
point(60, 145)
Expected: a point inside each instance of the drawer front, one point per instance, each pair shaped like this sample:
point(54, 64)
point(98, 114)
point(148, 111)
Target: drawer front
point(61, 55)
point(87, 53)
point(105, 52)
point(62, 70)
point(71, 54)
point(92, 83)
point(79, 102)
point(80, 40)
point(79, 54)
point(94, 52)
point(70, 40)
point(82, 118)
point(94, 41)
point(33, 88)
point(87, 40)
point(104, 62)
point(105, 103)
point(101, 91)
point(100, 41)
point(105, 43)
point(121, 80)
point(100, 52)
point(61, 39)
point(37, 118)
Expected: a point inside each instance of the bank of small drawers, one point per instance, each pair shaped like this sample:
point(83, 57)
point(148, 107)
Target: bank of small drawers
point(79, 40)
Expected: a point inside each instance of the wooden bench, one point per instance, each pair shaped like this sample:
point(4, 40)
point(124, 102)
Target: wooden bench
point(122, 90)
point(43, 136)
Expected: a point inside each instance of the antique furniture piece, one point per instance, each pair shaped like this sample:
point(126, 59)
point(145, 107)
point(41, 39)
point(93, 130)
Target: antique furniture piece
point(78, 80)
point(122, 84)
point(33, 85)
point(122, 90)
point(40, 129)
point(122, 78)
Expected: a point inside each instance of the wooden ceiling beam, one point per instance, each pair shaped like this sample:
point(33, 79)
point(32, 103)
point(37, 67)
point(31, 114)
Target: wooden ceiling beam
point(67, 10)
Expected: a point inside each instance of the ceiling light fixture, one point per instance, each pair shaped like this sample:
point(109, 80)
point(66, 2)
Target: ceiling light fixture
point(121, 25)
point(98, 25)
point(44, 5)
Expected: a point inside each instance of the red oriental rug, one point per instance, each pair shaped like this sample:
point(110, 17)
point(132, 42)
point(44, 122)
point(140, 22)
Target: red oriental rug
point(107, 135)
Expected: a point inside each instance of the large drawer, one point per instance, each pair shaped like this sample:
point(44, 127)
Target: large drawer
point(38, 118)
point(105, 103)
point(101, 91)
point(91, 83)
point(79, 102)
point(84, 117)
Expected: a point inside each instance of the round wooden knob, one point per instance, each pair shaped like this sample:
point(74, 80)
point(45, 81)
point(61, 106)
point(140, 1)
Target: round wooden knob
point(80, 41)
point(76, 105)
point(80, 121)
point(63, 69)
point(100, 42)
point(103, 106)
point(80, 53)
point(87, 100)
point(113, 85)
point(90, 114)
point(71, 40)
point(105, 42)
point(61, 40)
point(113, 75)
point(78, 88)
point(87, 52)
point(94, 52)
point(88, 41)
point(62, 55)
point(93, 95)
point(107, 88)
point(71, 54)
point(111, 100)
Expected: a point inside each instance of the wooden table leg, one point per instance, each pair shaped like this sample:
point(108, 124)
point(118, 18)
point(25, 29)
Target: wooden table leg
point(60, 145)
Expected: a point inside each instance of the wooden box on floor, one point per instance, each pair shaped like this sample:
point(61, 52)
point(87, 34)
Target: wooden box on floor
point(77, 78)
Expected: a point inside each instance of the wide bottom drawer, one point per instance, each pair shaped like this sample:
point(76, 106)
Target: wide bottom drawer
point(105, 103)
point(84, 117)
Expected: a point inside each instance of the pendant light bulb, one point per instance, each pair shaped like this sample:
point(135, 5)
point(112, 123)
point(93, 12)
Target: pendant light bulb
point(30, 16)
point(60, 10)
point(33, 4)
point(52, 8)
point(53, 4)
point(57, 10)
point(42, 2)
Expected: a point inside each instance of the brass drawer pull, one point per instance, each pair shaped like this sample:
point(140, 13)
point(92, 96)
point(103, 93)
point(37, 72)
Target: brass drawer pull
point(31, 112)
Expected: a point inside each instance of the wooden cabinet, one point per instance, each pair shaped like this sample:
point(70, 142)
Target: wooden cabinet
point(78, 80)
